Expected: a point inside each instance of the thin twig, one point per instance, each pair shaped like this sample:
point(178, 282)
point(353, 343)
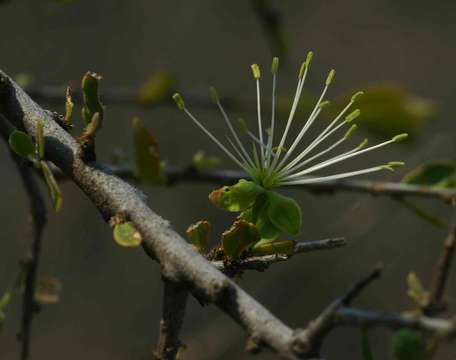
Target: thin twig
point(261, 263)
point(309, 340)
point(177, 175)
point(174, 302)
point(446, 329)
point(31, 261)
point(436, 303)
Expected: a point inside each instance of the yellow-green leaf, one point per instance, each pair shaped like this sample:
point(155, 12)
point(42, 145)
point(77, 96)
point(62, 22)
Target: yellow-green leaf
point(22, 144)
point(387, 110)
point(157, 88)
point(147, 154)
point(125, 234)
point(53, 186)
point(92, 103)
point(237, 197)
point(438, 174)
point(202, 162)
point(284, 213)
point(239, 237)
point(198, 234)
point(416, 290)
point(264, 247)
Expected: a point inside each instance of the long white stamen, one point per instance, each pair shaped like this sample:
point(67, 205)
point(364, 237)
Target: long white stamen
point(293, 164)
point(230, 126)
point(302, 78)
point(214, 139)
point(311, 180)
point(338, 159)
point(256, 75)
point(313, 115)
point(246, 163)
point(274, 67)
point(321, 153)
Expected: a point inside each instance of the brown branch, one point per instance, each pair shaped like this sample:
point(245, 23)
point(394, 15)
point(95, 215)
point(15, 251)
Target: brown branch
point(446, 329)
point(174, 303)
point(261, 263)
point(31, 260)
point(436, 303)
point(309, 340)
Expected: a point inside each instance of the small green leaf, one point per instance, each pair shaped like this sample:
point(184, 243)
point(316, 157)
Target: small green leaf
point(22, 144)
point(284, 213)
point(201, 162)
point(416, 290)
point(126, 235)
point(365, 344)
point(438, 174)
point(53, 186)
point(266, 247)
point(39, 144)
point(260, 217)
point(157, 88)
point(408, 345)
point(387, 110)
point(69, 106)
point(238, 238)
point(5, 300)
point(237, 197)
point(198, 234)
point(92, 104)
point(147, 154)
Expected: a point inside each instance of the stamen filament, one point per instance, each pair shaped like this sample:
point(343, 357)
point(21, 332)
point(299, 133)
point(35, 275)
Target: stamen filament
point(339, 158)
point(214, 139)
point(312, 180)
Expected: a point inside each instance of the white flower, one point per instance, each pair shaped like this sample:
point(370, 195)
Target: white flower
point(272, 166)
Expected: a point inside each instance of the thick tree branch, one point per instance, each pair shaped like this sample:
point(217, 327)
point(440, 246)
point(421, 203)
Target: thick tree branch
point(113, 196)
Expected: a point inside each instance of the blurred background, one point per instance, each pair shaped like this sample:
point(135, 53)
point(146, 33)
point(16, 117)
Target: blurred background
point(110, 302)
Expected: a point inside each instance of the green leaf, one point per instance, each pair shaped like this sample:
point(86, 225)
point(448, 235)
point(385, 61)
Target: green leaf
point(260, 217)
point(408, 345)
point(266, 247)
point(437, 174)
point(53, 186)
point(416, 290)
point(39, 144)
point(365, 344)
point(126, 235)
point(22, 144)
point(92, 104)
point(237, 197)
point(239, 237)
point(201, 162)
point(198, 234)
point(284, 213)
point(387, 110)
point(147, 154)
point(157, 88)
